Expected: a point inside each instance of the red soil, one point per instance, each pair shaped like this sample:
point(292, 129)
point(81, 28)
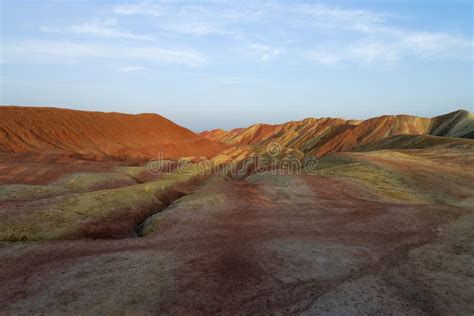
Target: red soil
point(43, 169)
point(375, 129)
point(323, 247)
point(329, 135)
point(97, 135)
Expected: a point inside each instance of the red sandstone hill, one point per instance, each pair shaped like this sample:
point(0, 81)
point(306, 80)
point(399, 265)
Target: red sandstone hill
point(328, 135)
point(97, 134)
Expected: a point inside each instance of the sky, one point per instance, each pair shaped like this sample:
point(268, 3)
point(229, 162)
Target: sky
point(221, 64)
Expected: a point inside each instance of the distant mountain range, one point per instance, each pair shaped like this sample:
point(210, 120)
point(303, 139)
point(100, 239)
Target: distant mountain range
point(323, 136)
point(99, 136)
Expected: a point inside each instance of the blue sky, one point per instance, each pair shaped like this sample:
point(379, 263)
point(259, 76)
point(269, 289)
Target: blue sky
point(230, 64)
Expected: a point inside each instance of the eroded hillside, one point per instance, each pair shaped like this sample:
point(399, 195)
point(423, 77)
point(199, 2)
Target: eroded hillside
point(324, 136)
point(98, 135)
point(372, 232)
point(378, 225)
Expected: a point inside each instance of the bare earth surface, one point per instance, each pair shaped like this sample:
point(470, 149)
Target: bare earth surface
point(98, 135)
point(87, 228)
point(323, 136)
point(309, 244)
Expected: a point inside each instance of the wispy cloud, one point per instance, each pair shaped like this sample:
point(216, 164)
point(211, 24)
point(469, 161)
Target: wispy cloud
point(326, 34)
point(335, 13)
point(325, 56)
point(144, 8)
point(199, 28)
point(193, 18)
point(370, 37)
point(48, 51)
point(130, 68)
point(264, 52)
point(373, 40)
point(393, 46)
point(101, 28)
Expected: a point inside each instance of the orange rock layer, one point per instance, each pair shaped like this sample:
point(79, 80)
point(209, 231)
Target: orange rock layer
point(328, 135)
point(98, 135)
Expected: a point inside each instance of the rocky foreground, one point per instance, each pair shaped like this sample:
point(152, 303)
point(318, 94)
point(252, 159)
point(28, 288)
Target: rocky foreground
point(381, 230)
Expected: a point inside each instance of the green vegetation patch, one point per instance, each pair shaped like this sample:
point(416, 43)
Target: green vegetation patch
point(23, 192)
point(133, 171)
point(376, 179)
point(81, 182)
point(203, 200)
point(117, 210)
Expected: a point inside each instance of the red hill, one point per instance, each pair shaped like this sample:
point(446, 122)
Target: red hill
point(324, 136)
point(98, 134)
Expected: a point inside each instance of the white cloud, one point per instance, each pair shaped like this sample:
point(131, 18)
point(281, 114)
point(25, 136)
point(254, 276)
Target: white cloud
point(196, 28)
point(390, 46)
point(369, 37)
point(325, 57)
point(130, 68)
point(264, 52)
point(191, 19)
point(418, 42)
point(143, 8)
point(227, 18)
point(371, 52)
point(372, 40)
point(334, 13)
point(327, 34)
point(104, 28)
point(437, 45)
point(42, 51)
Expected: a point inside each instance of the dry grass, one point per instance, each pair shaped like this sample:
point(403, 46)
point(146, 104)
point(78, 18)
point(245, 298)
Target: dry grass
point(72, 216)
point(82, 182)
point(22, 192)
point(376, 179)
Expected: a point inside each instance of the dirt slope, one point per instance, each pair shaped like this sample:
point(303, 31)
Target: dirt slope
point(98, 134)
point(384, 232)
point(455, 124)
point(328, 135)
point(416, 142)
point(295, 133)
